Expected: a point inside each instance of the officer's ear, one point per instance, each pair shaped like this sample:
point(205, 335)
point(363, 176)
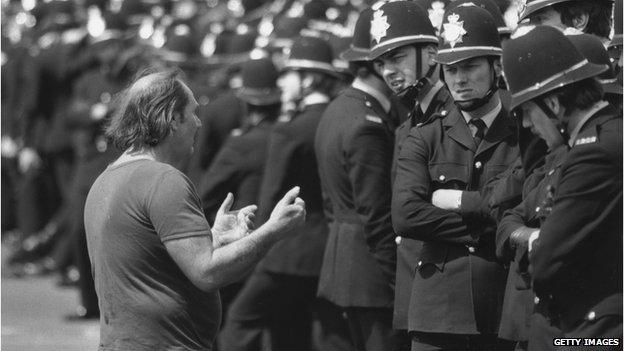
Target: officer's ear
point(430, 53)
point(552, 101)
point(498, 67)
point(580, 21)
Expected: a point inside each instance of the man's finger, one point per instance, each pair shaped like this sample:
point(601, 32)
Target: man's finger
point(227, 203)
point(290, 196)
point(299, 201)
point(251, 209)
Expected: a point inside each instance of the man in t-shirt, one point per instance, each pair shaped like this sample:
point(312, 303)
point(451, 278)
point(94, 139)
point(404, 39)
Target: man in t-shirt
point(157, 264)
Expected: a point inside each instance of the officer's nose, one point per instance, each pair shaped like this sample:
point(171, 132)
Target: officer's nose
point(526, 121)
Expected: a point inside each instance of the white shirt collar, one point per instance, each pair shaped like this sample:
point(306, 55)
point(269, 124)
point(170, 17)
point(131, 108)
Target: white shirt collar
point(314, 98)
point(597, 107)
point(383, 100)
point(426, 100)
point(489, 117)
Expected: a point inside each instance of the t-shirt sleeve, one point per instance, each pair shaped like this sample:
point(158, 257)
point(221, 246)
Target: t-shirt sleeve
point(174, 208)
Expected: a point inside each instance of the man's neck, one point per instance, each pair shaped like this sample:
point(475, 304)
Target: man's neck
point(157, 153)
point(485, 109)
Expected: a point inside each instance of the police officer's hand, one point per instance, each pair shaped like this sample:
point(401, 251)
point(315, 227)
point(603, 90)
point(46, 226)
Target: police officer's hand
point(230, 226)
point(447, 199)
point(288, 214)
point(28, 160)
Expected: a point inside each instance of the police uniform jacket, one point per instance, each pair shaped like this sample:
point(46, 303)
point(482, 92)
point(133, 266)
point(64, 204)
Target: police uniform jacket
point(237, 168)
point(531, 212)
point(409, 249)
point(458, 284)
point(354, 144)
point(577, 260)
point(291, 161)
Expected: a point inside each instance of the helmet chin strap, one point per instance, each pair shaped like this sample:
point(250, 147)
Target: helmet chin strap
point(473, 104)
point(559, 123)
point(408, 95)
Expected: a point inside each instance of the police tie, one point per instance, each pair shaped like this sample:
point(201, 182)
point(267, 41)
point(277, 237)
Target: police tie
point(480, 125)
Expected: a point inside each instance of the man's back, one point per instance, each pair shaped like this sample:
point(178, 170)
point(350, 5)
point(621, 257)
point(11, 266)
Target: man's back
point(146, 301)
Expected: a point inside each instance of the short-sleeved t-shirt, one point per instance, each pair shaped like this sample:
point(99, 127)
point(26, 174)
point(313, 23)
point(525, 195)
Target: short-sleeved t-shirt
point(146, 301)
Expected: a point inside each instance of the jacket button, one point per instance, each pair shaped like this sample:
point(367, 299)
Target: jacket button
point(536, 300)
point(441, 177)
point(551, 172)
point(419, 263)
point(478, 165)
point(471, 249)
point(397, 240)
point(368, 104)
point(537, 209)
point(444, 113)
point(591, 315)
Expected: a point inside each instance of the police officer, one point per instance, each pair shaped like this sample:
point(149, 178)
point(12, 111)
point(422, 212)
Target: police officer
point(286, 279)
point(576, 254)
point(592, 17)
point(353, 146)
point(239, 165)
point(443, 165)
point(410, 34)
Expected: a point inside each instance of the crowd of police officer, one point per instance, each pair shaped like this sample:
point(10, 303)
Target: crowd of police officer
point(461, 161)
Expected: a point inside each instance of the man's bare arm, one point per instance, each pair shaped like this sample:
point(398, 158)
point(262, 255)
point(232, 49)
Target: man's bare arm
point(212, 268)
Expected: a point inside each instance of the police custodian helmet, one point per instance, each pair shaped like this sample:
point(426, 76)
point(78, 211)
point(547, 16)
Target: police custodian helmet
point(539, 59)
point(468, 31)
point(400, 23)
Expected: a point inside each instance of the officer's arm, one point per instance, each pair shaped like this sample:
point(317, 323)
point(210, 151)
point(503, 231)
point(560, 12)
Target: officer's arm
point(589, 191)
point(369, 161)
point(413, 215)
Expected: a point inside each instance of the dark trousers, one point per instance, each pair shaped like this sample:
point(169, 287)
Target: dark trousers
point(285, 306)
point(458, 342)
point(371, 329)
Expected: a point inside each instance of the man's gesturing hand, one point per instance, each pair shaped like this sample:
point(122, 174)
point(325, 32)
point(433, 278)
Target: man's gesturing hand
point(230, 226)
point(288, 214)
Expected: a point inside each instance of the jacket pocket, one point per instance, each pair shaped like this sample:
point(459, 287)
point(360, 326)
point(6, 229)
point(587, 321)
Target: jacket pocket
point(432, 255)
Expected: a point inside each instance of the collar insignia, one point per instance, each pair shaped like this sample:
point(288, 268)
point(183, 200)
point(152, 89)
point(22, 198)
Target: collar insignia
point(454, 30)
point(379, 25)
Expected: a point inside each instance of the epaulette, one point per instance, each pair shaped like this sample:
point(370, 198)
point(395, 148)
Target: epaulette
point(586, 140)
point(434, 116)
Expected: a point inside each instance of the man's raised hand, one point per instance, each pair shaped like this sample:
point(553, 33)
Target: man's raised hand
point(288, 214)
point(230, 226)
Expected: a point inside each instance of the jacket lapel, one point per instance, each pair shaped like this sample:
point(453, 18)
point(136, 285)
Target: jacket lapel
point(501, 128)
point(457, 129)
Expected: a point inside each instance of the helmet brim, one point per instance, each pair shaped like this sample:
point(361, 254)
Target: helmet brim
point(584, 71)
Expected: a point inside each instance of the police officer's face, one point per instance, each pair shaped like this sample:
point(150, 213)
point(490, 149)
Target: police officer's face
point(398, 68)
point(470, 79)
point(547, 17)
point(291, 85)
point(535, 119)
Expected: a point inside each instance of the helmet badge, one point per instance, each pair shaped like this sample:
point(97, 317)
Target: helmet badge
point(379, 25)
point(454, 30)
point(436, 14)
